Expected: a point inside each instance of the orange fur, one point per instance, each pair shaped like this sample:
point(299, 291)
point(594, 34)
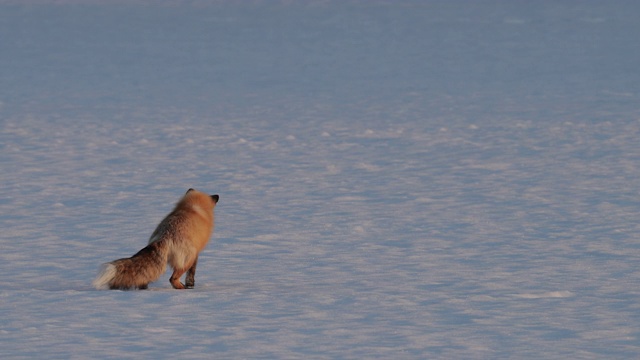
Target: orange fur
point(177, 240)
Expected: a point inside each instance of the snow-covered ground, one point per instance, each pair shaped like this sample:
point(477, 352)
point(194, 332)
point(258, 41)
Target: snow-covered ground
point(398, 180)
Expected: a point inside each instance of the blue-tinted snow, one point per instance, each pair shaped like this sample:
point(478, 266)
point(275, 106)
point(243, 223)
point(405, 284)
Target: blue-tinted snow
point(407, 179)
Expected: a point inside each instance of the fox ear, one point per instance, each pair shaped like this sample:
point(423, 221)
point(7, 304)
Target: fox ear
point(190, 190)
point(215, 198)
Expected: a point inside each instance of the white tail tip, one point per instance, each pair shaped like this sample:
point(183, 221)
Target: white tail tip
point(106, 274)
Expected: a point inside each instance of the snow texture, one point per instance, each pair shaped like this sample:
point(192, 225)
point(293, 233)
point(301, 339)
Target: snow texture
point(398, 179)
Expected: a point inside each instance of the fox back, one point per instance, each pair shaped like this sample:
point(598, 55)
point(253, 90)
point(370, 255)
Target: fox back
point(187, 229)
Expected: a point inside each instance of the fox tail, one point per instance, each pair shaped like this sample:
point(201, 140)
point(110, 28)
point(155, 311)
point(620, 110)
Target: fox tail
point(135, 272)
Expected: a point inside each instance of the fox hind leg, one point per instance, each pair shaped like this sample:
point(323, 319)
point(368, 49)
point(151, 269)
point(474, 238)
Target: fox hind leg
point(190, 279)
point(178, 272)
point(175, 278)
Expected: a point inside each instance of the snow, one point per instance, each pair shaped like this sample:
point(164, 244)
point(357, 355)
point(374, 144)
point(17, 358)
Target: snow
point(406, 179)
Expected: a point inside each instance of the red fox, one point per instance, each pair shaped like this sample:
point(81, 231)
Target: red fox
point(177, 240)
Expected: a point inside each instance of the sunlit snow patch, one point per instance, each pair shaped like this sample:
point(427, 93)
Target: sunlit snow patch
point(550, 294)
